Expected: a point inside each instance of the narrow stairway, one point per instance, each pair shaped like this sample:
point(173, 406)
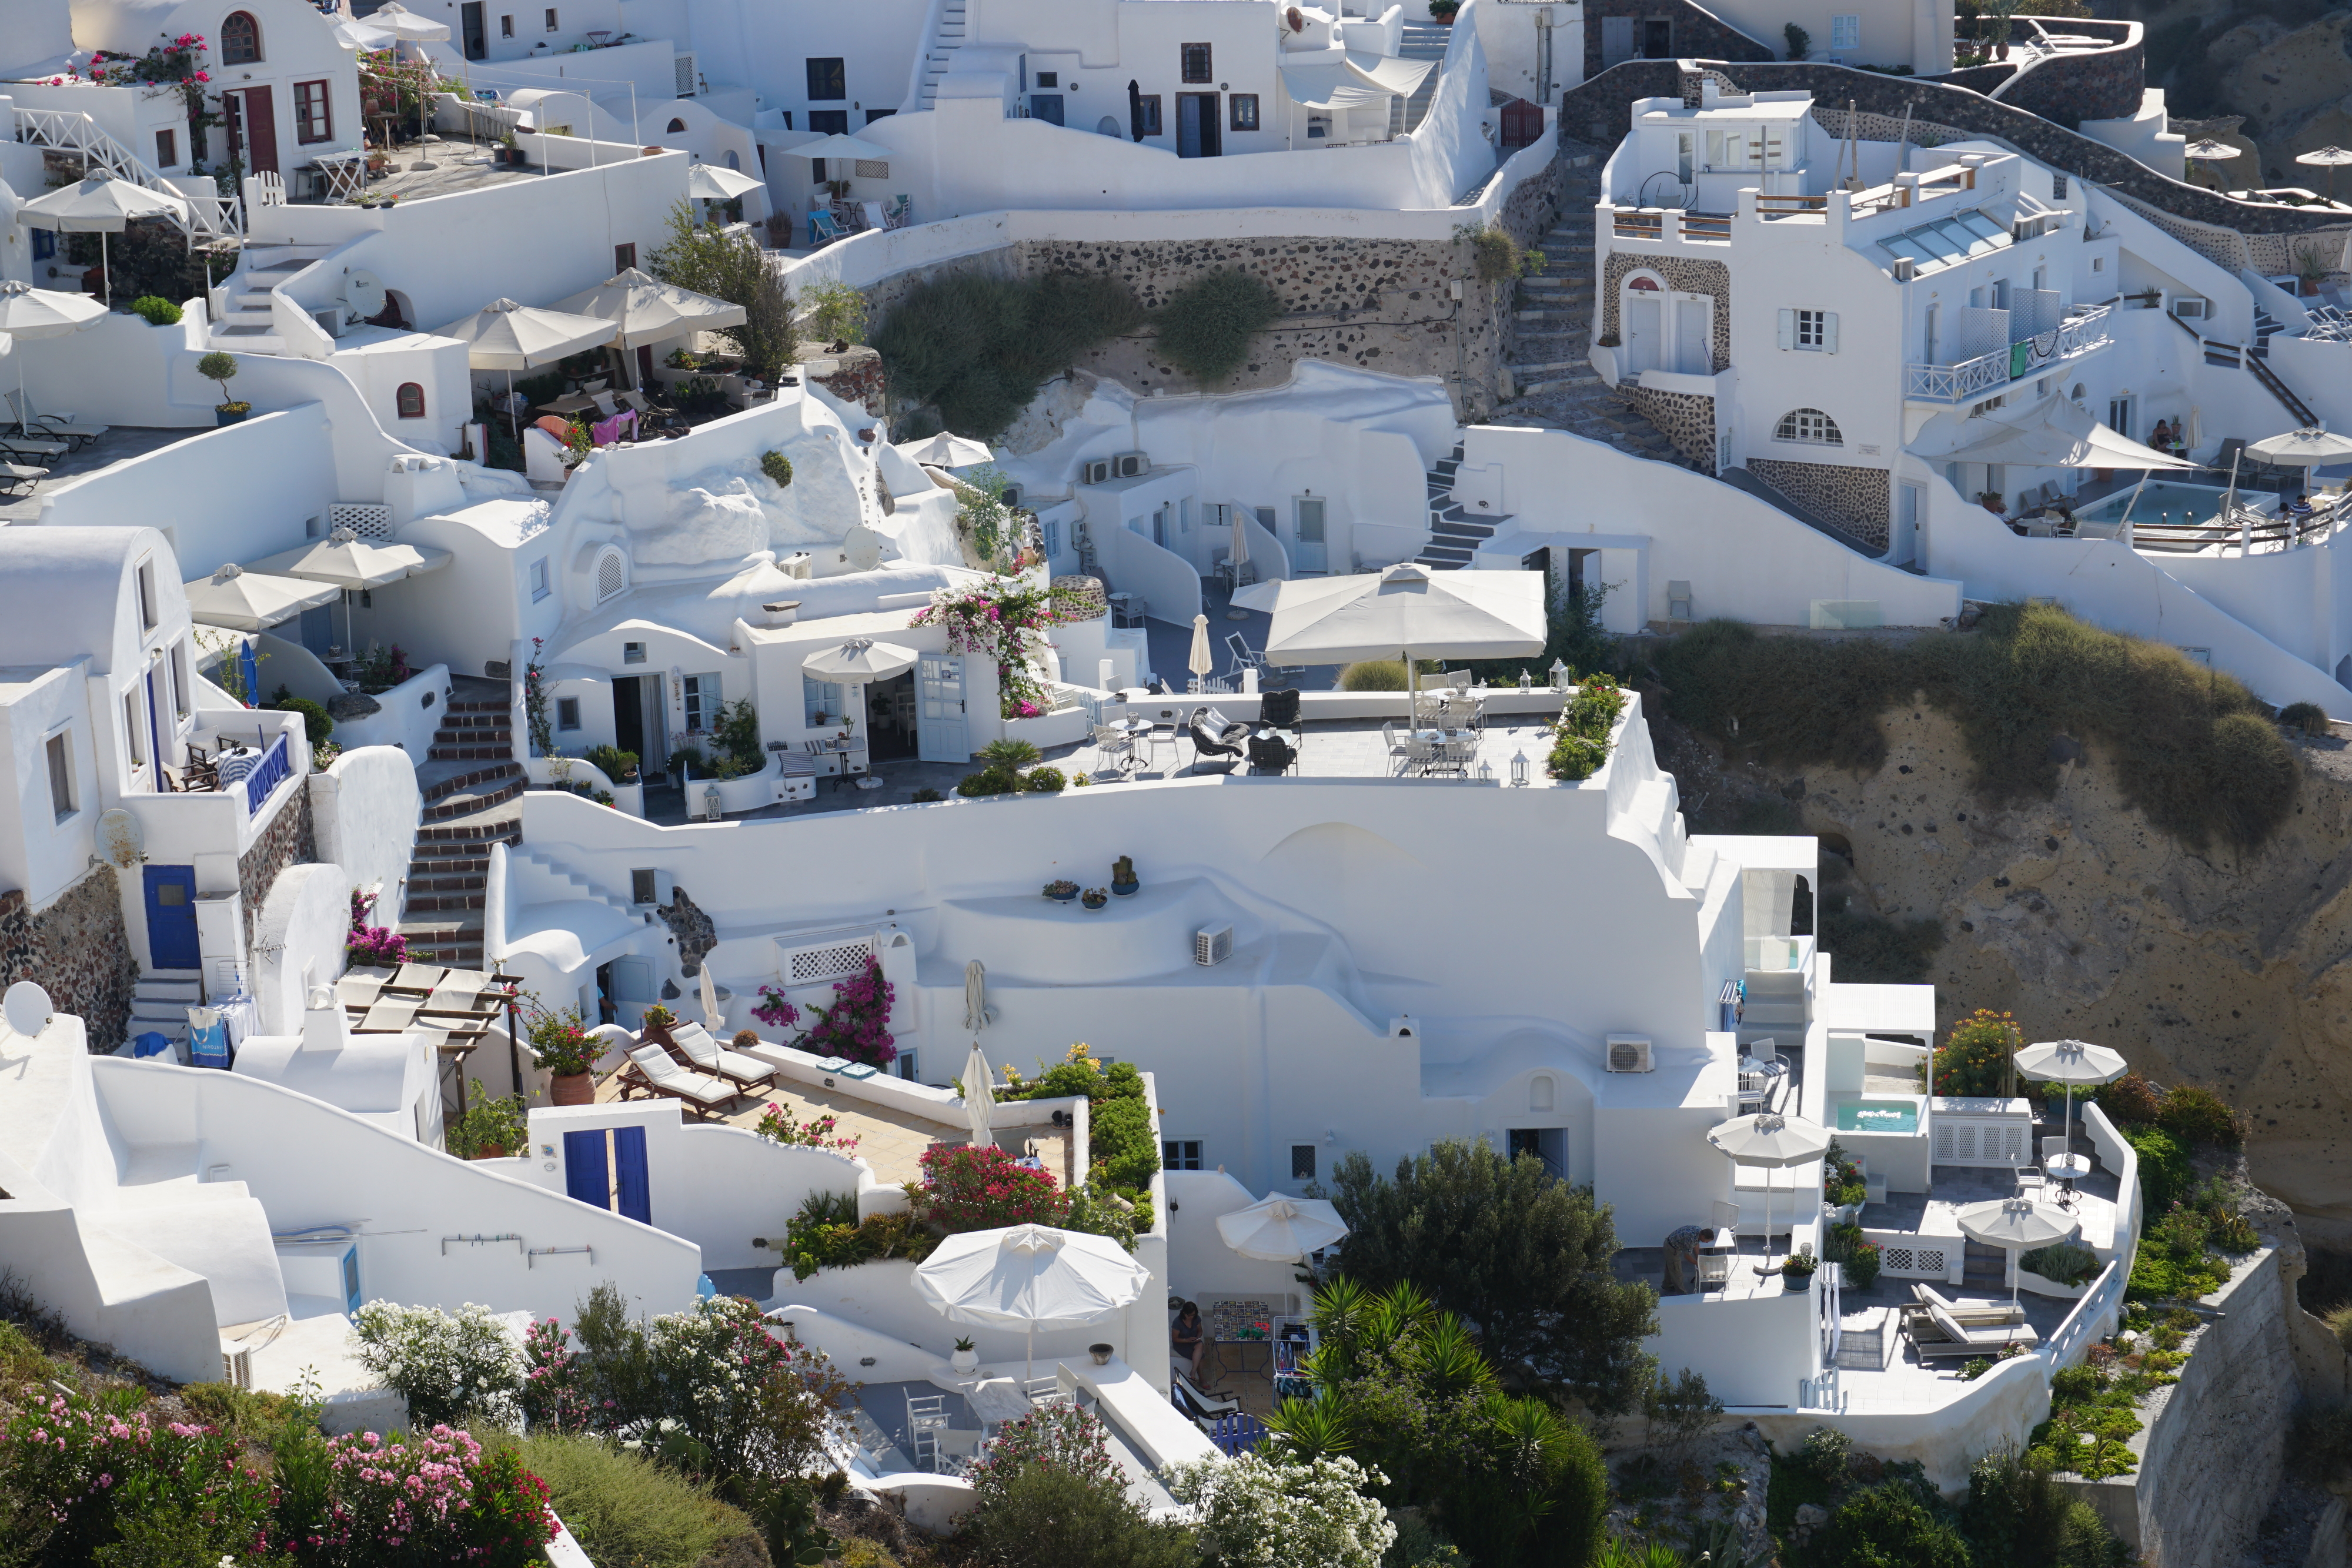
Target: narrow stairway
point(1553, 383)
point(473, 798)
point(941, 49)
point(1986, 1269)
point(1421, 41)
point(160, 1000)
point(1454, 535)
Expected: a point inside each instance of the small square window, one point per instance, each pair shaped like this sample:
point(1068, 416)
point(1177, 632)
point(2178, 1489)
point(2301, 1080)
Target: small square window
point(641, 887)
point(1813, 328)
point(1049, 78)
point(505, 26)
point(625, 256)
point(1195, 59)
point(551, 19)
point(1845, 32)
point(567, 712)
point(633, 653)
point(539, 588)
point(1244, 110)
point(1302, 1162)
point(167, 149)
point(828, 80)
point(1180, 1154)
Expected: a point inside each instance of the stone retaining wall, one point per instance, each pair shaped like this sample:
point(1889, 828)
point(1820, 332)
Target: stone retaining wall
point(1696, 31)
point(287, 840)
point(1600, 110)
point(78, 950)
point(1686, 419)
point(1855, 498)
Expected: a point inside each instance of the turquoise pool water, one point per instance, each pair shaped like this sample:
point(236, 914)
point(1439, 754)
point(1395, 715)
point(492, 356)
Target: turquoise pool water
point(1877, 1116)
point(2167, 501)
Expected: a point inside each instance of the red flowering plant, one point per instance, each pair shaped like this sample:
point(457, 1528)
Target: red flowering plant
point(534, 704)
point(176, 67)
point(779, 1125)
point(856, 1026)
point(1059, 1437)
point(90, 1464)
point(967, 1187)
point(1003, 620)
point(555, 1380)
point(432, 1499)
point(775, 1009)
point(373, 946)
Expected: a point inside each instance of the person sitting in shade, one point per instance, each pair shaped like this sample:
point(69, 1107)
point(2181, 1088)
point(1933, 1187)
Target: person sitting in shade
point(2160, 438)
point(1186, 1338)
point(1681, 1257)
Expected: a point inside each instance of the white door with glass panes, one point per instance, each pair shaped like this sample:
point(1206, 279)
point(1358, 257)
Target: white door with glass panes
point(1308, 556)
point(942, 731)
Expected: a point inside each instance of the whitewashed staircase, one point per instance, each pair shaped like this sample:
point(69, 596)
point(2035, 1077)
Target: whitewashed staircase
point(160, 1000)
point(941, 49)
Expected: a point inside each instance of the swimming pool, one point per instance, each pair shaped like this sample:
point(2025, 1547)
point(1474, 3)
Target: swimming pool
point(2169, 501)
point(1877, 1116)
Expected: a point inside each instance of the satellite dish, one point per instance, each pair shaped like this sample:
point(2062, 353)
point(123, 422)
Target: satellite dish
point(863, 547)
point(26, 1007)
point(121, 839)
point(364, 292)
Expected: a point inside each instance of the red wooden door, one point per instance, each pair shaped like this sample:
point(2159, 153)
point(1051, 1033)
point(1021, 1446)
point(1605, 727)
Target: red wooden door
point(253, 130)
point(1522, 124)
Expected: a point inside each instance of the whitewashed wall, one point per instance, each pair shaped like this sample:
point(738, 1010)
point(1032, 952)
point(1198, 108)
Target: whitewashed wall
point(363, 809)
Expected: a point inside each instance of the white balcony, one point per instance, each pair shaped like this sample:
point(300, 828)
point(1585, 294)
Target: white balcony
point(2083, 331)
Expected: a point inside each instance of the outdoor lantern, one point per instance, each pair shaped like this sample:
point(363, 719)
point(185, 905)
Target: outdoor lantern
point(1486, 769)
point(711, 810)
point(1526, 681)
point(1558, 675)
point(1519, 768)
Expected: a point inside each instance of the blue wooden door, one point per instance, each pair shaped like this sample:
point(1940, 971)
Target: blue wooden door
point(171, 917)
point(629, 1166)
point(1045, 106)
point(586, 1177)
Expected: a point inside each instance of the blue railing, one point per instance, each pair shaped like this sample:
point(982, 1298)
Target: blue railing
point(265, 778)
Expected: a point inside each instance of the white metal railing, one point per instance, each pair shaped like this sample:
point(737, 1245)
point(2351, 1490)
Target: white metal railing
point(1957, 383)
point(2080, 333)
point(69, 131)
point(2082, 1324)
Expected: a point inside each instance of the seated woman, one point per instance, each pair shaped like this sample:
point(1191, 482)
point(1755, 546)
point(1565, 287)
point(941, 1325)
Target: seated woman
point(1186, 1338)
point(2160, 438)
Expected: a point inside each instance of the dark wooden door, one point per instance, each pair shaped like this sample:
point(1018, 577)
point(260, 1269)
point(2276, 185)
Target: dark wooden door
point(1522, 124)
point(252, 129)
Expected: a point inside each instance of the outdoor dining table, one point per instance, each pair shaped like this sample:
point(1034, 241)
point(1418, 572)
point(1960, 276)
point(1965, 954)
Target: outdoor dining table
point(2067, 1169)
point(1453, 749)
point(569, 403)
point(997, 1400)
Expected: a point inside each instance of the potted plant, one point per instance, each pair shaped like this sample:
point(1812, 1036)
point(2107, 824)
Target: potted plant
point(1095, 898)
point(964, 1359)
point(1991, 501)
point(1060, 890)
point(1102, 1354)
point(2310, 268)
point(1799, 1268)
point(568, 1051)
point(657, 1019)
point(219, 367)
point(1441, 12)
point(489, 1130)
point(1122, 876)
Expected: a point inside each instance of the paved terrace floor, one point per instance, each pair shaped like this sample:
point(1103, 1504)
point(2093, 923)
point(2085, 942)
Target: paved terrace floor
point(120, 442)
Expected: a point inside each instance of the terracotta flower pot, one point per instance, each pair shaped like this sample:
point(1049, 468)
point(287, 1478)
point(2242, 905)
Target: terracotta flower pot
point(489, 1152)
point(573, 1088)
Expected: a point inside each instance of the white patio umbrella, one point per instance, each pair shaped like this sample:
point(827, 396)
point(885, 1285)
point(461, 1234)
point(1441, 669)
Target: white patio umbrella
point(1778, 1142)
point(1200, 661)
point(979, 1098)
point(1237, 557)
point(709, 182)
point(2209, 151)
point(946, 450)
point(860, 659)
point(2308, 448)
point(2327, 158)
point(246, 600)
point(2071, 1062)
point(2018, 1224)
point(646, 310)
point(1029, 1277)
point(27, 312)
point(1282, 1229)
point(1453, 614)
point(100, 206)
point(838, 145)
point(347, 560)
point(505, 336)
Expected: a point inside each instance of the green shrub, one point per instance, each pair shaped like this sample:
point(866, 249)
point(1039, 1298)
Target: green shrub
point(1120, 1145)
point(1582, 736)
point(1009, 755)
point(1373, 676)
point(1497, 256)
point(1049, 1516)
point(2165, 1173)
point(2068, 1262)
point(2129, 1101)
point(979, 347)
point(924, 797)
point(1046, 781)
point(777, 467)
point(2198, 1117)
point(1827, 1455)
point(158, 311)
point(1886, 1527)
point(1975, 1057)
point(2308, 718)
point(1205, 329)
point(834, 313)
point(626, 1511)
point(988, 781)
point(490, 1123)
point(2189, 746)
point(611, 761)
point(315, 722)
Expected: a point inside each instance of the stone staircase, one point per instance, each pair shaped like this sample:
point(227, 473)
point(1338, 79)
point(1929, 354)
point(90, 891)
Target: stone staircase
point(473, 789)
point(1421, 41)
point(1552, 383)
point(160, 1000)
point(1986, 1269)
point(941, 49)
point(1454, 535)
point(247, 327)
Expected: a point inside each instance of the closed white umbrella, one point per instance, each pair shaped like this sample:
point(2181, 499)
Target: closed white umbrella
point(709, 182)
point(977, 1014)
point(1282, 1229)
point(946, 450)
point(1452, 614)
point(646, 310)
point(712, 1019)
point(2017, 1224)
point(505, 336)
point(100, 206)
point(2071, 1062)
point(246, 600)
point(27, 312)
point(1773, 1141)
point(1029, 1277)
point(1200, 661)
point(979, 1098)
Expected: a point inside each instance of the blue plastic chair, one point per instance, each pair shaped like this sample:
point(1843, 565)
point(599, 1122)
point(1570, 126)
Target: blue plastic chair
point(825, 228)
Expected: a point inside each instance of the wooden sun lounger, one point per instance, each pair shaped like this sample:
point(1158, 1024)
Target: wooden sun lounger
point(651, 1071)
point(696, 1048)
point(1937, 1340)
point(1972, 1314)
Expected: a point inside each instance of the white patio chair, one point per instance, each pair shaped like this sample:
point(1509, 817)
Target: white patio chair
point(1398, 742)
point(1678, 600)
point(1114, 747)
point(2031, 1181)
point(927, 1417)
point(1715, 1271)
point(1046, 1391)
point(1725, 1220)
point(2052, 1147)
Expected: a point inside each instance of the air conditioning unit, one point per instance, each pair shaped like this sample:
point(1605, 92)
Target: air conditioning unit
point(1131, 465)
point(1011, 496)
point(1906, 269)
point(688, 80)
point(1094, 471)
point(1629, 1053)
point(236, 1366)
point(1212, 944)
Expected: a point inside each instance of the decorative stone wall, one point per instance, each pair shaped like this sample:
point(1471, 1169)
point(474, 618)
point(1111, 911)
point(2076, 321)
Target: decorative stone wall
point(1855, 498)
point(1686, 419)
point(78, 950)
point(1599, 111)
point(693, 929)
point(289, 840)
point(2096, 84)
point(1698, 33)
point(853, 377)
point(1686, 274)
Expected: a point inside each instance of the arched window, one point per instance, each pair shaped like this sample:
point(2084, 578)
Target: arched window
point(410, 399)
point(240, 39)
point(674, 127)
point(1646, 285)
point(1810, 426)
point(1539, 1091)
point(612, 576)
point(734, 160)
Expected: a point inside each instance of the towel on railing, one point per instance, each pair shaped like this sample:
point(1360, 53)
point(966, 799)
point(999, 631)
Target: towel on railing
point(603, 432)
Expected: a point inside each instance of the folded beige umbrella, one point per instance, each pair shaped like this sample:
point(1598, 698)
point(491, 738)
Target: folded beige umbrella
point(246, 600)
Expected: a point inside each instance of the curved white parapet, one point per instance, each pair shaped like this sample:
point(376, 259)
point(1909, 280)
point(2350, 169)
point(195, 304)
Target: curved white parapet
point(1141, 935)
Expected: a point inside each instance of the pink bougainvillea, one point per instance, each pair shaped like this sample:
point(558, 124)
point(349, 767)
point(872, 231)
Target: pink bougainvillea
point(856, 1026)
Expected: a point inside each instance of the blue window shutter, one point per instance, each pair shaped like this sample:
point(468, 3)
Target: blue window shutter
point(585, 1175)
point(629, 1166)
